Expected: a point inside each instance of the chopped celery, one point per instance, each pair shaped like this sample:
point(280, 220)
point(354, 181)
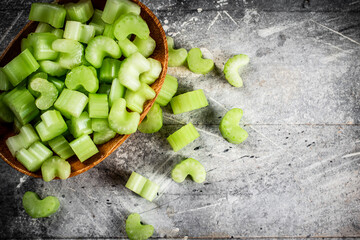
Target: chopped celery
point(61, 147)
point(127, 47)
point(135, 100)
point(24, 139)
point(229, 126)
point(108, 31)
point(109, 69)
point(51, 126)
point(82, 77)
point(33, 157)
point(115, 8)
point(5, 84)
point(182, 137)
point(145, 46)
point(150, 76)
point(116, 91)
point(197, 64)
point(142, 186)
point(190, 167)
point(81, 125)
point(84, 147)
point(58, 32)
point(232, 68)
point(122, 121)
point(42, 46)
point(98, 105)
point(167, 91)
point(71, 103)
point(26, 44)
point(130, 24)
point(52, 68)
point(100, 47)
point(78, 31)
point(57, 83)
point(188, 101)
point(99, 124)
point(153, 120)
point(55, 167)
point(6, 114)
point(52, 14)
point(81, 11)
point(137, 231)
point(48, 93)
point(71, 52)
point(102, 131)
point(37, 208)
point(43, 27)
point(97, 22)
point(177, 57)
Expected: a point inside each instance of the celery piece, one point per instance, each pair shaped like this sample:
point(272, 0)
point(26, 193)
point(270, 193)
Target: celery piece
point(22, 104)
point(43, 27)
point(37, 74)
point(149, 190)
point(20, 67)
point(81, 11)
point(24, 139)
point(145, 46)
point(59, 33)
point(137, 231)
point(51, 126)
point(189, 101)
point(33, 157)
point(98, 105)
point(61, 147)
point(81, 125)
point(104, 88)
point(190, 167)
point(42, 46)
point(57, 83)
point(130, 24)
point(116, 91)
point(103, 137)
point(78, 31)
point(127, 47)
point(167, 91)
point(84, 147)
point(52, 68)
point(108, 31)
point(197, 64)
point(177, 57)
point(122, 121)
point(55, 167)
point(153, 121)
point(17, 126)
point(150, 76)
point(37, 208)
point(182, 137)
point(71, 52)
point(5, 84)
point(82, 76)
point(52, 14)
point(26, 44)
point(109, 69)
point(97, 22)
point(100, 47)
point(229, 126)
point(99, 124)
point(6, 114)
point(233, 66)
point(142, 186)
point(135, 100)
point(115, 8)
point(48, 93)
point(71, 103)
point(130, 70)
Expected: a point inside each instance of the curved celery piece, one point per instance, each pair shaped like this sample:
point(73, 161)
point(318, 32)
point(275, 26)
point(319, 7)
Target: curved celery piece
point(55, 167)
point(24, 139)
point(71, 52)
point(57, 83)
point(51, 126)
point(167, 91)
point(5, 84)
point(97, 22)
point(81, 125)
point(130, 70)
point(122, 121)
point(229, 126)
point(232, 68)
point(20, 67)
point(84, 147)
point(108, 31)
point(142, 186)
point(177, 57)
point(48, 93)
point(78, 31)
point(33, 157)
point(98, 105)
point(37, 208)
point(135, 100)
point(116, 91)
point(197, 64)
point(189, 101)
point(190, 167)
point(52, 68)
point(127, 47)
point(100, 47)
point(43, 27)
point(150, 76)
point(5, 113)
point(115, 8)
point(61, 147)
point(145, 46)
point(102, 131)
point(42, 46)
point(109, 69)
point(34, 75)
point(182, 137)
point(153, 121)
point(130, 24)
point(52, 14)
point(82, 76)
point(81, 11)
point(71, 103)
point(137, 231)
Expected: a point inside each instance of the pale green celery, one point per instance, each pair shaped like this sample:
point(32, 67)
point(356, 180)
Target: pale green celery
point(190, 167)
point(33, 157)
point(189, 101)
point(51, 126)
point(97, 22)
point(24, 139)
point(52, 14)
point(78, 31)
point(100, 47)
point(167, 91)
point(59, 33)
point(55, 167)
point(84, 147)
point(71, 103)
point(108, 31)
point(47, 91)
point(115, 8)
point(43, 27)
point(81, 11)
point(6, 114)
point(127, 47)
point(37, 208)
point(5, 84)
point(98, 105)
point(145, 46)
point(197, 64)
point(150, 76)
point(42, 46)
point(102, 132)
point(182, 137)
point(82, 76)
point(153, 120)
point(81, 125)
point(137, 231)
point(109, 69)
point(130, 24)
point(59, 84)
point(71, 52)
point(61, 147)
point(135, 100)
point(177, 57)
point(142, 186)
point(103, 137)
point(232, 68)
point(122, 121)
point(52, 68)
point(229, 126)
point(116, 91)
point(17, 126)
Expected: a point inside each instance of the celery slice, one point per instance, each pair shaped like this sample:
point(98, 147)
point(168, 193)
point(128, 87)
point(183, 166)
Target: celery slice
point(149, 190)
point(197, 64)
point(142, 186)
point(99, 124)
point(98, 106)
point(6, 114)
point(108, 31)
point(71, 103)
point(135, 100)
point(52, 68)
point(82, 77)
point(137, 231)
point(81, 11)
point(116, 91)
point(115, 8)
point(145, 46)
point(59, 33)
point(5, 84)
point(37, 208)
point(61, 147)
point(24, 139)
point(43, 27)
point(102, 131)
point(42, 46)
point(51, 126)
point(100, 47)
point(84, 147)
point(188, 101)
point(182, 137)
point(130, 24)
point(26, 44)
point(150, 76)
point(48, 93)
point(229, 126)
point(78, 31)
point(52, 14)
point(81, 125)
point(55, 167)
point(57, 83)
point(103, 137)
point(167, 91)
point(122, 121)
point(127, 47)
point(177, 57)
point(71, 52)
point(33, 157)
point(97, 22)
point(190, 167)
point(109, 69)
point(153, 121)
point(233, 66)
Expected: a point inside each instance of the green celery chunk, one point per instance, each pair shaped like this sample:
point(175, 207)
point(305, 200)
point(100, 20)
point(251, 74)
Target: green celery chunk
point(82, 77)
point(142, 186)
point(135, 100)
point(43, 27)
point(52, 14)
point(33, 157)
point(116, 91)
point(51, 126)
point(71, 103)
point(127, 47)
point(182, 137)
point(115, 8)
point(26, 44)
point(42, 46)
point(137, 231)
point(130, 70)
point(150, 76)
point(153, 121)
point(37, 74)
point(81, 11)
point(167, 91)
point(98, 105)
point(81, 125)
point(59, 33)
point(59, 84)
point(122, 121)
point(84, 147)
point(48, 93)
point(99, 124)
point(97, 22)
point(71, 52)
point(100, 47)
point(149, 190)
point(177, 57)
point(109, 69)
point(52, 68)
point(37, 208)
point(22, 104)
point(104, 88)
point(189, 101)
point(24, 139)
point(190, 167)
point(5, 84)
point(55, 167)
point(61, 147)
point(233, 66)
point(145, 46)
point(229, 126)
point(102, 132)
point(130, 24)
point(108, 31)
point(6, 114)
point(197, 64)
point(78, 31)
point(20, 67)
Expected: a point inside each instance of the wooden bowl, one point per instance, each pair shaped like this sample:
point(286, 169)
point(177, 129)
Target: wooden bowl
point(77, 167)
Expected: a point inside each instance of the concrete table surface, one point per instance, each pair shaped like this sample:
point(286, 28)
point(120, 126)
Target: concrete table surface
point(297, 175)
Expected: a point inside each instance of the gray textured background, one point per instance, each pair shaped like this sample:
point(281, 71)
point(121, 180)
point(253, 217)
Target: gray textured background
point(297, 175)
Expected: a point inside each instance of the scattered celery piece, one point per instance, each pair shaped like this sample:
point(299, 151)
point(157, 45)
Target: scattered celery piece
point(51, 126)
point(84, 147)
point(47, 91)
point(197, 64)
point(71, 52)
point(99, 124)
point(102, 131)
point(190, 167)
point(5, 84)
point(43, 27)
point(52, 68)
point(145, 46)
point(6, 114)
point(71, 103)
point(59, 33)
point(109, 69)
point(127, 47)
point(81, 11)
point(115, 8)
point(24, 139)
point(233, 66)
point(137, 231)
point(153, 120)
point(61, 147)
point(37, 208)
point(100, 47)
point(177, 57)
point(167, 91)
point(188, 101)
point(135, 100)
point(142, 186)
point(182, 137)
point(122, 121)
point(55, 167)
point(52, 14)
point(33, 157)
point(150, 76)
point(97, 22)
point(128, 24)
point(116, 91)
point(81, 125)
point(42, 46)
point(229, 126)
point(82, 77)
point(98, 105)
point(78, 31)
